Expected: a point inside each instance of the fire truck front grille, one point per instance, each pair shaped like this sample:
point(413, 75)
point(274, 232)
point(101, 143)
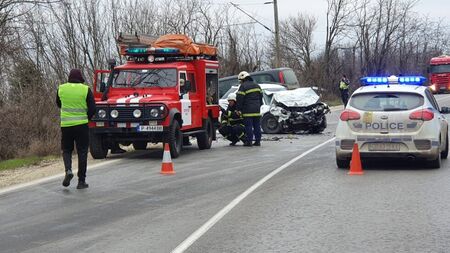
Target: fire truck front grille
point(126, 113)
point(442, 79)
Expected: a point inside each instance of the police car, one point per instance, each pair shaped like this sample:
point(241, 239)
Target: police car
point(393, 117)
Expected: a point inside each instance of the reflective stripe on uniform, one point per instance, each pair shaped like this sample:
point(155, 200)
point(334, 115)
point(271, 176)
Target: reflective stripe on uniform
point(253, 90)
point(81, 110)
point(241, 93)
point(251, 114)
point(74, 118)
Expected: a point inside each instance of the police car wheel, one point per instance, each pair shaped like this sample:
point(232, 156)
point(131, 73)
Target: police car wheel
point(444, 153)
point(436, 163)
point(343, 164)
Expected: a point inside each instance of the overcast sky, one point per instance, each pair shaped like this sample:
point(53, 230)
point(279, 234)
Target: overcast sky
point(264, 12)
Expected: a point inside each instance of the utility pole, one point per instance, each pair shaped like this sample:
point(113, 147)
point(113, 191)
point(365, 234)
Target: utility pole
point(277, 33)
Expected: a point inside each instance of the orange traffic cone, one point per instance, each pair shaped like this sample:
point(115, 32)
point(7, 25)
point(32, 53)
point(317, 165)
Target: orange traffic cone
point(355, 164)
point(167, 165)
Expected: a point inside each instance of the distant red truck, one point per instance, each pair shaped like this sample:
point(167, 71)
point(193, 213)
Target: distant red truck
point(439, 74)
point(166, 92)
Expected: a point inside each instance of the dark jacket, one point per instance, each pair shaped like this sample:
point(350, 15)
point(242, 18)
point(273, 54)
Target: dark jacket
point(230, 117)
point(249, 99)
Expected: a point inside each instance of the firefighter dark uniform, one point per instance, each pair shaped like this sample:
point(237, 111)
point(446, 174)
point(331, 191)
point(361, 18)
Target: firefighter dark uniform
point(249, 101)
point(232, 125)
point(77, 106)
point(343, 87)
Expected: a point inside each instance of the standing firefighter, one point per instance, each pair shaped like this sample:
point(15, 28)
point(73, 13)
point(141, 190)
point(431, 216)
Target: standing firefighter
point(232, 126)
point(343, 87)
point(77, 107)
point(249, 101)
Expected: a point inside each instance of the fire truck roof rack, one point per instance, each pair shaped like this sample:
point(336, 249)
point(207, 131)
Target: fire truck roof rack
point(173, 45)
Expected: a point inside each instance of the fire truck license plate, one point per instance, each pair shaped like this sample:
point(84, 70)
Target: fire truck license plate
point(384, 146)
point(150, 128)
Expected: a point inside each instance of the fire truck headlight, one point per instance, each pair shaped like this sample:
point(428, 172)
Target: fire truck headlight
point(101, 113)
point(114, 114)
point(137, 113)
point(154, 112)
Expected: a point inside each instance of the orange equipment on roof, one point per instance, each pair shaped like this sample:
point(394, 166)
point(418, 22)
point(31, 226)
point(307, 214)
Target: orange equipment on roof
point(179, 41)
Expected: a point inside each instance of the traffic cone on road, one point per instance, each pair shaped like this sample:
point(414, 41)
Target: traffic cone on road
point(355, 163)
point(167, 165)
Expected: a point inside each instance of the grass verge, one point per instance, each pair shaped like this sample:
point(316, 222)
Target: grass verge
point(22, 162)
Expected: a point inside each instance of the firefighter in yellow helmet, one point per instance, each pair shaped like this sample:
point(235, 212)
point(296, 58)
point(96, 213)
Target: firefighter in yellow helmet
point(77, 107)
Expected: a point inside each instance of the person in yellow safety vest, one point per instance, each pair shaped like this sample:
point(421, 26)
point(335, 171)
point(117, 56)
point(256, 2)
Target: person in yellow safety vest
point(231, 124)
point(343, 87)
point(249, 101)
point(77, 105)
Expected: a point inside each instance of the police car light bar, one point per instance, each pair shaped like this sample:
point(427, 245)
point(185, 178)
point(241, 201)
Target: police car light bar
point(151, 50)
point(408, 80)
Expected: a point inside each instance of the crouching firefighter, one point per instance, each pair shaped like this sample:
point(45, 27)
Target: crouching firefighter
point(232, 126)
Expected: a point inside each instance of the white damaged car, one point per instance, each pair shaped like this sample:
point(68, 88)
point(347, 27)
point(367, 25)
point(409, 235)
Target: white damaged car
point(298, 110)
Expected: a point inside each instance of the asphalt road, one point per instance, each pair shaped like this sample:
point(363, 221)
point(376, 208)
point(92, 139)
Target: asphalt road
point(309, 206)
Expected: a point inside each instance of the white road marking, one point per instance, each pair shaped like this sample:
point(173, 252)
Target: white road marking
point(218, 216)
point(50, 178)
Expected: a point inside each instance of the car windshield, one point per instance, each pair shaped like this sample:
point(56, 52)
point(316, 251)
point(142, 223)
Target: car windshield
point(267, 90)
point(436, 69)
point(231, 90)
point(386, 101)
point(145, 78)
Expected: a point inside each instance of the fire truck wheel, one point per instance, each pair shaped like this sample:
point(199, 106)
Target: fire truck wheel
point(97, 147)
point(140, 145)
point(204, 139)
point(175, 139)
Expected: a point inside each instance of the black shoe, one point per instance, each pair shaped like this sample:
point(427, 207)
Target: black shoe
point(233, 143)
point(118, 151)
point(257, 143)
point(82, 185)
point(67, 178)
point(247, 144)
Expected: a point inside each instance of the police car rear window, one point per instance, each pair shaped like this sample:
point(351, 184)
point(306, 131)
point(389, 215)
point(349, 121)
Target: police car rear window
point(386, 101)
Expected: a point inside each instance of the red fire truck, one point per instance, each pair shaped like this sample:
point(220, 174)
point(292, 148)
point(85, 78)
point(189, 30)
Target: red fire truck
point(165, 92)
point(439, 74)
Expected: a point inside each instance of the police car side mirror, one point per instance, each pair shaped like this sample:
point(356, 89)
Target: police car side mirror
point(445, 110)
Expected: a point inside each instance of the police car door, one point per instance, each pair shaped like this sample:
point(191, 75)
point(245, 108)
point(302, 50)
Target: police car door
point(186, 106)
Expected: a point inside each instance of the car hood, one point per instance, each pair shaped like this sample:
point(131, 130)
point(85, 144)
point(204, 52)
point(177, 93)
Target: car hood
point(297, 98)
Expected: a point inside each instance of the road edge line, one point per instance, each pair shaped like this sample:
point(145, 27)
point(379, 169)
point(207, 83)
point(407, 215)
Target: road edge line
point(50, 178)
point(224, 211)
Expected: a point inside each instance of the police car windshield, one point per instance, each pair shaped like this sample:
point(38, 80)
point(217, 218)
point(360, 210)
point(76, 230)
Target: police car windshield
point(386, 101)
point(145, 78)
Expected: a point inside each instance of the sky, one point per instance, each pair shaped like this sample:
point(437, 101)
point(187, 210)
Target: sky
point(264, 12)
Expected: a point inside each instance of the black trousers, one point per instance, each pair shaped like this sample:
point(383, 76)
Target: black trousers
point(233, 133)
point(80, 136)
point(344, 97)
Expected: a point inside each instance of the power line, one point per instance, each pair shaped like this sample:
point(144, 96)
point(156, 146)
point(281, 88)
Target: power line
point(250, 16)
